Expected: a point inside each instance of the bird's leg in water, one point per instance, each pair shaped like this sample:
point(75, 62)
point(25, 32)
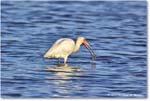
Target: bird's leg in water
point(58, 61)
point(65, 60)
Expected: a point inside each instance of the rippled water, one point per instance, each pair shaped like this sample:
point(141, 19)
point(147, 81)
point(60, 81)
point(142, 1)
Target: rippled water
point(115, 30)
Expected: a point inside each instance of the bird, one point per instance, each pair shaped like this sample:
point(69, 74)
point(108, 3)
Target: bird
point(63, 47)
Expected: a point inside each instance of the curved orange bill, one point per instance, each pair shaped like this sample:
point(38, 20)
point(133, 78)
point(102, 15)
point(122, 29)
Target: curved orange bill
point(85, 43)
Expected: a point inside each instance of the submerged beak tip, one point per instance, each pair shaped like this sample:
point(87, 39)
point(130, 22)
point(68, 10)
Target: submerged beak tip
point(94, 57)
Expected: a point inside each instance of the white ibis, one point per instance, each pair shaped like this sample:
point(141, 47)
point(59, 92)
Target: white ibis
point(63, 47)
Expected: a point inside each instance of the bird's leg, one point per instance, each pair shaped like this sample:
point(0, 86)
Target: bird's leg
point(65, 60)
point(58, 60)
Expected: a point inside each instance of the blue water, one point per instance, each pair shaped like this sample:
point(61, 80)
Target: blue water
point(115, 30)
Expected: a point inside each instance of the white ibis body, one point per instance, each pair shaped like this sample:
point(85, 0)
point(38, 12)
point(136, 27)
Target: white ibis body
point(63, 47)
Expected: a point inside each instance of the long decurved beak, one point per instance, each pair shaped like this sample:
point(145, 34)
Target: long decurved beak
point(86, 44)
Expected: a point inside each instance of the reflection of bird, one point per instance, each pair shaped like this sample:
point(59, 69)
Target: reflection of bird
point(63, 68)
point(63, 47)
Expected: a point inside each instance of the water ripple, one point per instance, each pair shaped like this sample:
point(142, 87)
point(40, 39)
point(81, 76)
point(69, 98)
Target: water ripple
point(115, 30)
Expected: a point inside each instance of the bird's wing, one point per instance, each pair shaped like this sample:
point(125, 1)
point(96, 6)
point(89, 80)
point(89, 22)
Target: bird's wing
point(61, 46)
point(55, 45)
point(65, 46)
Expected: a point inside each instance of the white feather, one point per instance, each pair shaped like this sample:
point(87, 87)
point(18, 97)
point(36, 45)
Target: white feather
point(61, 48)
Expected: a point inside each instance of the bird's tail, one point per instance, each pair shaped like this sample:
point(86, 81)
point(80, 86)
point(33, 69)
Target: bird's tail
point(48, 55)
point(45, 56)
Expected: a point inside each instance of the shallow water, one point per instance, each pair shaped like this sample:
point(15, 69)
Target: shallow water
point(115, 30)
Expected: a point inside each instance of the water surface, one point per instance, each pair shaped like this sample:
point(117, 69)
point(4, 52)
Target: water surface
point(115, 30)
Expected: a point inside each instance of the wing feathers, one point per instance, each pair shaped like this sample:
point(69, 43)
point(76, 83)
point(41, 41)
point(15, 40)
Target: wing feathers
point(60, 48)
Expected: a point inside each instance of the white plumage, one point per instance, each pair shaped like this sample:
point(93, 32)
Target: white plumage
point(63, 47)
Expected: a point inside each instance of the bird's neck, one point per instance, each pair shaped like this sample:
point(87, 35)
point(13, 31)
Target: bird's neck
point(77, 46)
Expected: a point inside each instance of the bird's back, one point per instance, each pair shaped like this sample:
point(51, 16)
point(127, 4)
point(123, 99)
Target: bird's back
point(60, 48)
